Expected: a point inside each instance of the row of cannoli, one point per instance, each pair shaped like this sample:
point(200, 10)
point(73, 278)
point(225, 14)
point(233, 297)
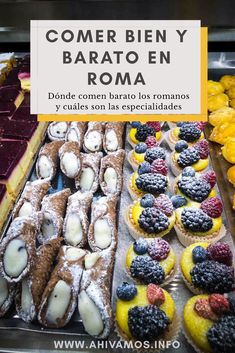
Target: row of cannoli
point(92, 137)
point(88, 170)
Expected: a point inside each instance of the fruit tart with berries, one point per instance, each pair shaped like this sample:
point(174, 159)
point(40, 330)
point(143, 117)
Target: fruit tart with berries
point(140, 132)
point(209, 323)
point(199, 221)
point(184, 156)
point(208, 268)
point(190, 132)
point(145, 313)
point(194, 186)
point(151, 261)
point(149, 178)
point(150, 216)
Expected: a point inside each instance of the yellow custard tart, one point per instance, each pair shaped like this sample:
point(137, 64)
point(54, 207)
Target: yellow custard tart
point(188, 131)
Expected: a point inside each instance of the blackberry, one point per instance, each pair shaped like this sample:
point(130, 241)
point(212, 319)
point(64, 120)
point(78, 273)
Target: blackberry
point(188, 157)
point(159, 249)
point(141, 147)
point(178, 201)
point(147, 270)
point(189, 133)
point(231, 300)
point(147, 200)
point(196, 220)
point(135, 124)
point(182, 123)
point(188, 172)
point(221, 335)
point(151, 142)
point(152, 183)
point(155, 125)
point(199, 254)
point(126, 291)
point(144, 167)
point(195, 188)
point(180, 146)
point(140, 246)
point(213, 277)
point(147, 323)
point(143, 132)
point(155, 153)
point(153, 220)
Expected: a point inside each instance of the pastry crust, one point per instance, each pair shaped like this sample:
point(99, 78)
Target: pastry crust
point(77, 128)
point(73, 148)
point(50, 150)
point(50, 128)
point(11, 287)
point(98, 128)
point(117, 128)
point(90, 160)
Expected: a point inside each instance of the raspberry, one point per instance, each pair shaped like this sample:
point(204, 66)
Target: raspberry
point(155, 125)
point(212, 207)
point(159, 249)
point(220, 252)
point(155, 294)
point(203, 148)
point(164, 204)
point(151, 142)
point(201, 125)
point(219, 304)
point(159, 166)
point(210, 177)
point(202, 307)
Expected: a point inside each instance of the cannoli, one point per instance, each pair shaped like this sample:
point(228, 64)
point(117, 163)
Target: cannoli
point(31, 198)
point(57, 130)
point(52, 214)
point(76, 132)
point(93, 139)
point(113, 136)
point(7, 294)
point(47, 160)
point(89, 178)
point(103, 229)
point(70, 161)
point(30, 290)
point(111, 173)
point(76, 221)
point(18, 248)
point(94, 302)
point(59, 299)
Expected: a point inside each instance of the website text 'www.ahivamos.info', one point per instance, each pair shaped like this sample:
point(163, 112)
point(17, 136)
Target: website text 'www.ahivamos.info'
point(99, 345)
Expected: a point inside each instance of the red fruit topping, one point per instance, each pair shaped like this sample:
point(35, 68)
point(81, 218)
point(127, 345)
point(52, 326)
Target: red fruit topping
point(164, 204)
point(201, 125)
point(212, 207)
point(155, 294)
point(203, 148)
point(219, 304)
point(220, 252)
point(151, 142)
point(155, 125)
point(158, 249)
point(210, 177)
point(203, 309)
point(159, 166)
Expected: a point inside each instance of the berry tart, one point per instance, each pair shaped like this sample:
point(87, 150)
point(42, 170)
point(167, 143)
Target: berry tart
point(149, 178)
point(150, 217)
point(207, 268)
point(196, 156)
point(200, 222)
point(200, 124)
point(190, 132)
point(194, 186)
point(145, 313)
point(209, 323)
point(139, 132)
point(151, 261)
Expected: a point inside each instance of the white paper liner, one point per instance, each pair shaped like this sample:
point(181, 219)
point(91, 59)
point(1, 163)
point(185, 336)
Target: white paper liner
point(132, 161)
point(189, 339)
point(192, 288)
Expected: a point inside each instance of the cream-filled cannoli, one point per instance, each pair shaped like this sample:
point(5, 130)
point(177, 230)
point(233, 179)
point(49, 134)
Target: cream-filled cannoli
point(30, 289)
point(76, 221)
point(47, 162)
point(57, 130)
point(52, 215)
point(103, 229)
point(111, 173)
point(94, 303)
point(31, 198)
point(59, 299)
point(7, 294)
point(76, 132)
point(18, 248)
point(70, 161)
point(89, 178)
point(113, 136)
point(93, 139)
